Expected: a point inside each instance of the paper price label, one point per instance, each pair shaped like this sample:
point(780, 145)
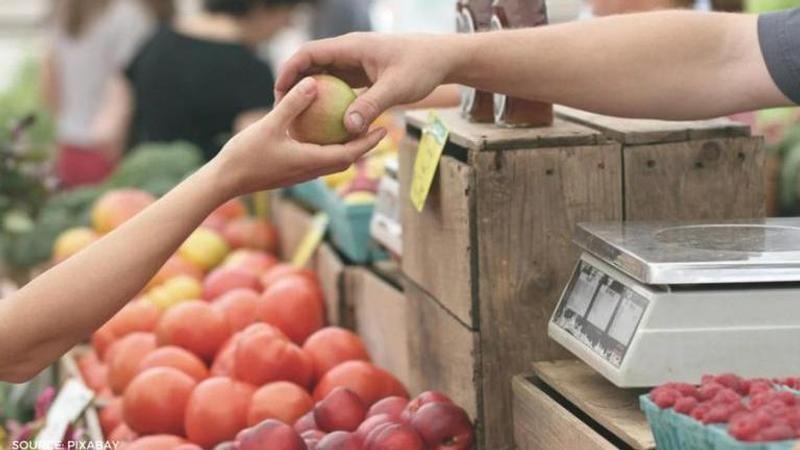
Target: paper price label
point(431, 145)
point(67, 407)
point(311, 240)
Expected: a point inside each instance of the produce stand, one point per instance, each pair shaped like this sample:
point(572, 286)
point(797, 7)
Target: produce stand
point(566, 404)
point(486, 259)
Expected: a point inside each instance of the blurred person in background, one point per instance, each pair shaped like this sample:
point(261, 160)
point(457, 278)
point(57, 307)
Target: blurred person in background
point(91, 41)
point(337, 17)
point(199, 78)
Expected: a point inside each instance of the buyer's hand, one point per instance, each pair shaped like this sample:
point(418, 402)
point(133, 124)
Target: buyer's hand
point(263, 156)
point(395, 69)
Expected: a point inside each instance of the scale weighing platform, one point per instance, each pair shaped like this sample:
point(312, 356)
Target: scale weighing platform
point(650, 302)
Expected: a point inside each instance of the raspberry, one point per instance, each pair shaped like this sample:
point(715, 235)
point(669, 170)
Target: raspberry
point(700, 411)
point(761, 399)
point(664, 397)
point(777, 432)
point(705, 379)
point(759, 385)
point(729, 380)
point(786, 397)
point(726, 395)
point(685, 405)
point(685, 389)
point(744, 426)
point(708, 391)
point(721, 412)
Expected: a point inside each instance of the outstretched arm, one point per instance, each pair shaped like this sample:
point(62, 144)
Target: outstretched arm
point(667, 65)
point(66, 304)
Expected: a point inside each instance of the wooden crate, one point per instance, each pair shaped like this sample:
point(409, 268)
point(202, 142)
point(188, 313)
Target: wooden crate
point(379, 317)
point(566, 404)
point(492, 248)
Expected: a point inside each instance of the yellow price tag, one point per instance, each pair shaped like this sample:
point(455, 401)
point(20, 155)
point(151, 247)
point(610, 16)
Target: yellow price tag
point(311, 240)
point(431, 145)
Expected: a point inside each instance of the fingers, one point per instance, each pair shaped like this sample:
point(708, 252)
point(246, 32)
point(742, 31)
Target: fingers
point(371, 104)
point(295, 102)
point(309, 59)
point(334, 158)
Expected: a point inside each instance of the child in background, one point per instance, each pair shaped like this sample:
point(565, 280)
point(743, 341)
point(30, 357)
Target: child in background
point(91, 41)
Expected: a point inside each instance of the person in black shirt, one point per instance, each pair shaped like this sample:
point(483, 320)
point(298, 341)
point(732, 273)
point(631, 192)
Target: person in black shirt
point(198, 76)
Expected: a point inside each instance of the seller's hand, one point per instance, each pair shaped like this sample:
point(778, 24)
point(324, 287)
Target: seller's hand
point(263, 156)
point(397, 69)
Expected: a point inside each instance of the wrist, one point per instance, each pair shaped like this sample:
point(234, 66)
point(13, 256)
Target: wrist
point(214, 182)
point(459, 48)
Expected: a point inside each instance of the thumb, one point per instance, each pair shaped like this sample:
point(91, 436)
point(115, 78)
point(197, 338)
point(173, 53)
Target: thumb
point(371, 104)
point(295, 101)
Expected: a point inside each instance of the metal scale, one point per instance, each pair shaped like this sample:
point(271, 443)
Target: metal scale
point(655, 302)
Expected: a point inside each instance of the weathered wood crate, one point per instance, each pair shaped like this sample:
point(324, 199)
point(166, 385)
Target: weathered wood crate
point(566, 404)
point(488, 256)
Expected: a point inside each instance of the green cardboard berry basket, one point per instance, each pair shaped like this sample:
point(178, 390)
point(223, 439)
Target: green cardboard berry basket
point(674, 431)
point(349, 224)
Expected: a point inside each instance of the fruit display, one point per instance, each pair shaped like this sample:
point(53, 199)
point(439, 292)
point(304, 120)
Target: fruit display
point(227, 348)
point(728, 407)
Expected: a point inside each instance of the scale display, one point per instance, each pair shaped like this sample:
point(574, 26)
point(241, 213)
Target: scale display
point(600, 312)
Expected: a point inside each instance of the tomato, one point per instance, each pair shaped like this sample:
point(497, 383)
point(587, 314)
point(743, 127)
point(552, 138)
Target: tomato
point(217, 410)
point(125, 356)
point(294, 306)
point(176, 358)
point(332, 346)
point(195, 326)
point(155, 401)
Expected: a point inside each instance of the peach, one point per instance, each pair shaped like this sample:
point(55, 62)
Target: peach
point(444, 426)
point(175, 266)
point(155, 401)
point(111, 415)
point(277, 434)
point(176, 358)
point(252, 233)
point(312, 434)
point(340, 440)
point(239, 307)
point(323, 121)
point(195, 326)
point(230, 210)
point(282, 270)
point(71, 242)
point(294, 306)
point(224, 279)
point(217, 410)
point(341, 410)
point(125, 356)
point(262, 356)
point(204, 248)
point(282, 401)
point(251, 260)
point(396, 436)
point(115, 207)
point(371, 383)
point(332, 346)
point(391, 406)
point(122, 434)
point(174, 291)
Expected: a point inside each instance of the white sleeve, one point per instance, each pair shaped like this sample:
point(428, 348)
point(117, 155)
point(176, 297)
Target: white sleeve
point(132, 25)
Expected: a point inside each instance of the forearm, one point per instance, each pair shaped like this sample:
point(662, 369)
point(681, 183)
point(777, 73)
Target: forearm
point(62, 306)
point(668, 65)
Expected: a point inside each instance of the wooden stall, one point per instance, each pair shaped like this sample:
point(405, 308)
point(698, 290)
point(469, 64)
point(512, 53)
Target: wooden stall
point(486, 259)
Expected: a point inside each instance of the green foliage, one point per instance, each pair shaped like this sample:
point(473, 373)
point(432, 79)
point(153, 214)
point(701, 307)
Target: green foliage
point(156, 168)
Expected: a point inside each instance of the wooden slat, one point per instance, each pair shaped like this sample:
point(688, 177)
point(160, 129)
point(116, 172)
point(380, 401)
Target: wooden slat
point(292, 221)
point(615, 409)
point(542, 424)
point(704, 179)
point(443, 353)
point(481, 136)
point(528, 203)
point(646, 131)
point(436, 242)
point(330, 269)
point(380, 320)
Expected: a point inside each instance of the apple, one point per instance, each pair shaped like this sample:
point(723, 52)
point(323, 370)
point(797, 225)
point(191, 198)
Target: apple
point(422, 400)
point(444, 426)
point(340, 440)
point(277, 434)
point(72, 241)
point(205, 248)
point(312, 434)
point(372, 423)
point(341, 410)
point(323, 121)
point(391, 406)
point(306, 423)
point(396, 436)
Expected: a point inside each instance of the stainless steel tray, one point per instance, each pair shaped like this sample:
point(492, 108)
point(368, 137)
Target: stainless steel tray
point(669, 253)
